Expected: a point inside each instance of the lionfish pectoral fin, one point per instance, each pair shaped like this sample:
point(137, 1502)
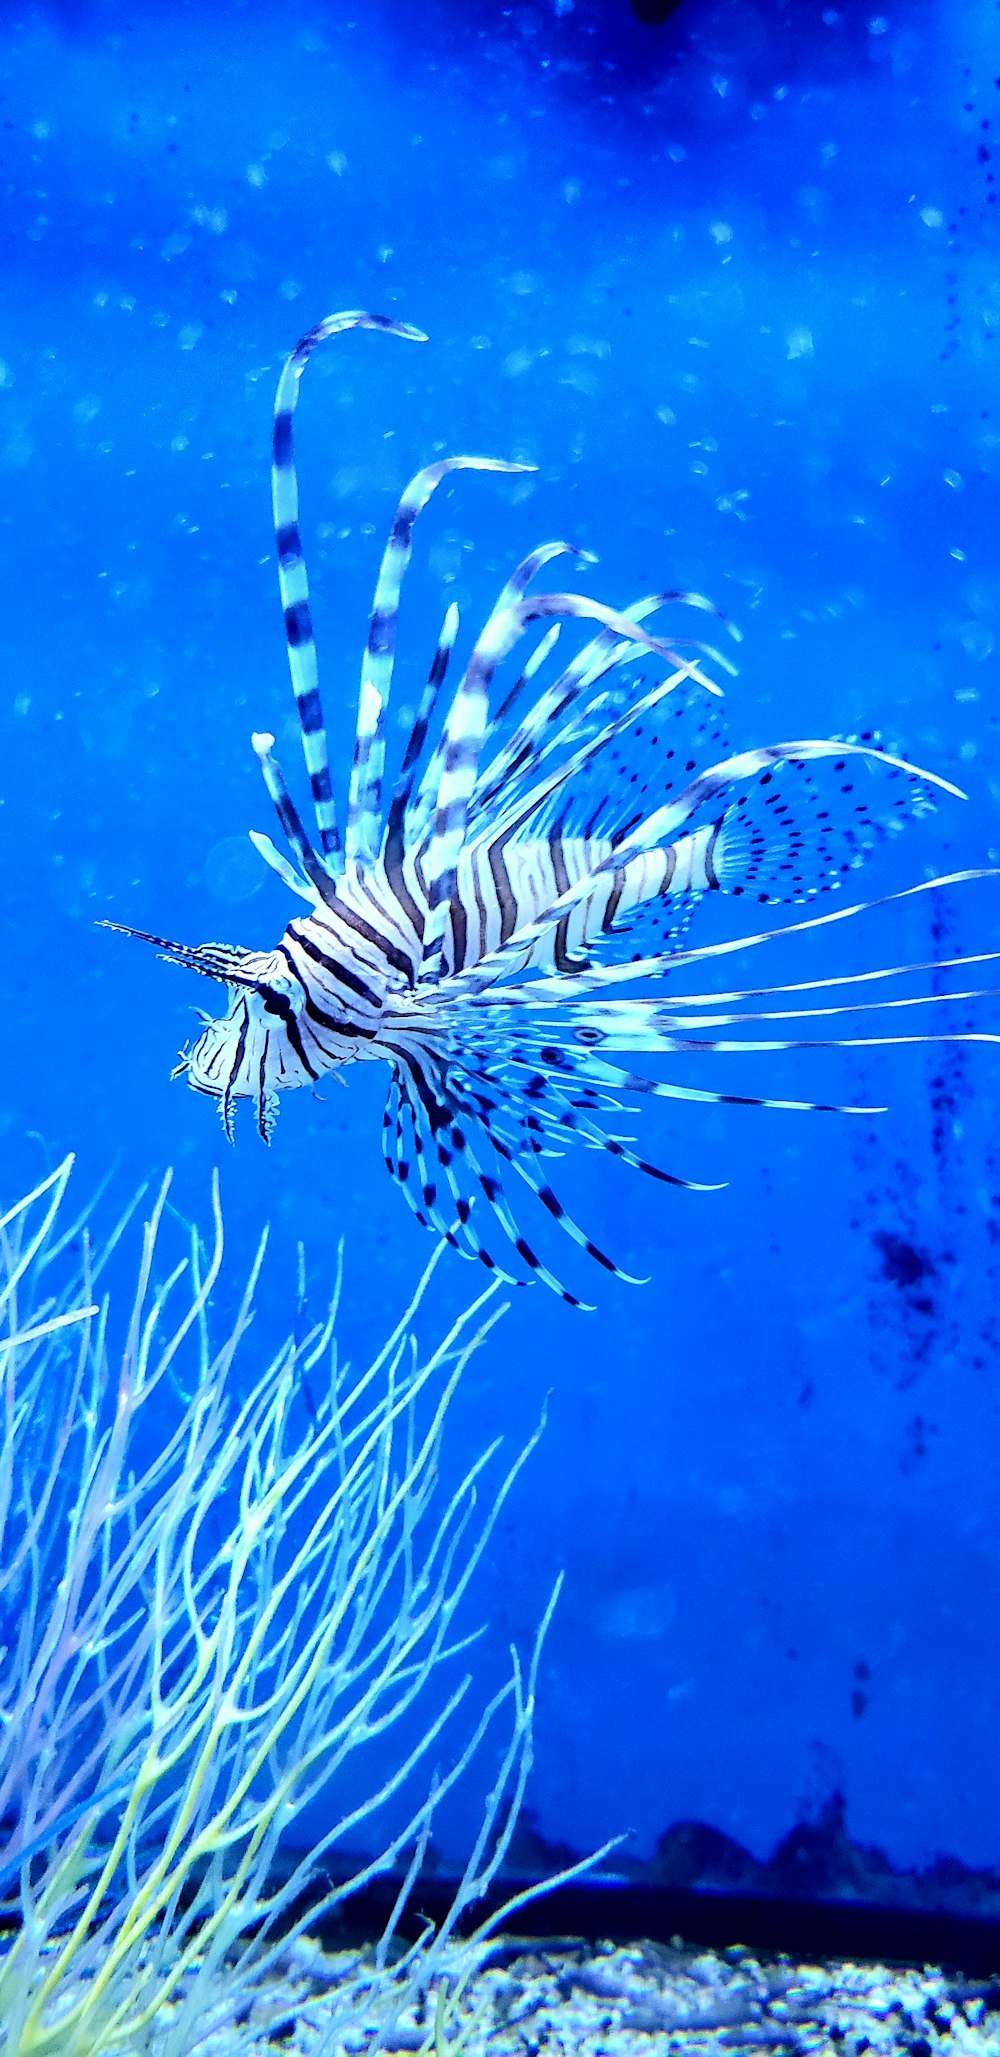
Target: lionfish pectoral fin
point(227, 1114)
point(267, 1113)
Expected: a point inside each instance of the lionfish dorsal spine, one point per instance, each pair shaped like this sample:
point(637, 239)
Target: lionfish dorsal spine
point(604, 653)
point(364, 806)
point(402, 793)
point(395, 850)
point(292, 576)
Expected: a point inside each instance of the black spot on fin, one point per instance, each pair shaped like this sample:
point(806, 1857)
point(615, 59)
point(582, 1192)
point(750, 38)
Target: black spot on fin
point(801, 827)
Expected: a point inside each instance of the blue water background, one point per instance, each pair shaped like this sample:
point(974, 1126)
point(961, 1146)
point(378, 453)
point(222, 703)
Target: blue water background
point(732, 286)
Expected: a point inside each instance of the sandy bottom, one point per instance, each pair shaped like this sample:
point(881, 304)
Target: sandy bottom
point(628, 2001)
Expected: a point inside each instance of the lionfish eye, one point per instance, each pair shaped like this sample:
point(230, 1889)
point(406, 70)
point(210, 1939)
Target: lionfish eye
point(275, 1001)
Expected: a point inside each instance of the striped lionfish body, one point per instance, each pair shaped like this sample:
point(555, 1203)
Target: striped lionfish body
point(474, 923)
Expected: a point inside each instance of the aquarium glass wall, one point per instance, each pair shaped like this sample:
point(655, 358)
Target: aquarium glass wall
point(727, 282)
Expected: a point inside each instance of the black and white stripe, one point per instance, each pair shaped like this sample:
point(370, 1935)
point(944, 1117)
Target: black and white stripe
point(292, 580)
point(475, 933)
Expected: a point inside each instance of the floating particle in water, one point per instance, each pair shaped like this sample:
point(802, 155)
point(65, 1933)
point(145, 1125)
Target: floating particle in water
point(641, 1613)
point(232, 870)
point(977, 640)
point(214, 219)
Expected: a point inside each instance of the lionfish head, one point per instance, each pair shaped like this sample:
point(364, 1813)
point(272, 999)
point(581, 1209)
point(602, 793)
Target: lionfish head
point(254, 1049)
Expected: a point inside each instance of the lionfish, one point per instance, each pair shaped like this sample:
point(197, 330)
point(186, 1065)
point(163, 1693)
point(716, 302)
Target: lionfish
point(473, 925)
